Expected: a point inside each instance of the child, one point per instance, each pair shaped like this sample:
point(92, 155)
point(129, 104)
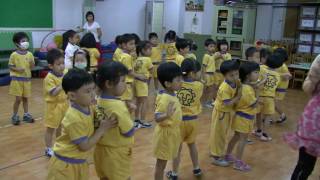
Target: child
point(56, 99)
point(71, 149)
point(221, 56)
point(142, 66)
point(20, 63)
point(170, 45)
point(208, 70)
point(252, 54)
point(264, 54)
point(183, 48)
point(193, 47)
point(155, 57)
point(88, 43)
point(307, 137)
point(189, 96)
point(267, 95)
point(113, 153)
point(168, 115)
point(228, 95)
point(81, 60)
point(246, 110)
point(118, 51)
point(70, 41)
point(284, 83)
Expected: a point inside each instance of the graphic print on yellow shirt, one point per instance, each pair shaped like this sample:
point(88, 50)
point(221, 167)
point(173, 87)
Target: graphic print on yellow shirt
point(21, 61)
point(271, 84)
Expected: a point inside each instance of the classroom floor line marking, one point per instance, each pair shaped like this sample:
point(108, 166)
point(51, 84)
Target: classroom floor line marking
point(10, 125)
point(21, 162)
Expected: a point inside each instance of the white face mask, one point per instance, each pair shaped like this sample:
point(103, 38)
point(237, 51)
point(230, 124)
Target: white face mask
point(81, 65)
point(24, 45)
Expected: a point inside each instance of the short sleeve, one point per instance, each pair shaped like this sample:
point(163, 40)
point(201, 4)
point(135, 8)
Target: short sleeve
point(205, 60)
point(161, 105)
point(49, 85)
point(125, 124)
point(226, 94)
point(96, 53)
point(149, 65)
point(31, 58)
point(126, 60)
point(77, 132)
point(12, 60)
point(69, 52)
point(85, 26)
point(97, 25)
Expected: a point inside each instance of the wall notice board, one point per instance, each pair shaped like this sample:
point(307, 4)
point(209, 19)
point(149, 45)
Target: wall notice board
point(26, 14)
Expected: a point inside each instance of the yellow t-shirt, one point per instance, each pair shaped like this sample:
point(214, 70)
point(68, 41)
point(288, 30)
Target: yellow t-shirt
point(189, 96)
point(142, 65)
point(171, 51)
point(117, 54)
point(192, 56)
point(127, 60)
point(219, 60)
point(226, 92)
point(156, 54)
point(50, 83)
point(248, 101)
point(283, 85)
point(94, 56)
point(77, 126)
point(162, 101)
point(123, 134)
point(271, 84)
point(179, 59)
point(209, 63)
point(21, 61)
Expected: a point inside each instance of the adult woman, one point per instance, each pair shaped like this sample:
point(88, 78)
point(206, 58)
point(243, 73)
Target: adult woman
point(92, 26)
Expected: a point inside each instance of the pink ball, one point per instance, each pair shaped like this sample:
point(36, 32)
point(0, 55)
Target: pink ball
point(51, 45)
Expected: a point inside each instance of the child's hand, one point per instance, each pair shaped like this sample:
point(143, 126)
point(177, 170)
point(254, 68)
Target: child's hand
point(21, 70)
point(286, 76)
point(108, 123)
point(142, 77)
point(132, 107)
point(218, 54)
point(171, 109)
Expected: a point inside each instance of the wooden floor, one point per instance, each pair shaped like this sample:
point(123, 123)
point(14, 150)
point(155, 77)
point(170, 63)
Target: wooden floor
point(21, 147)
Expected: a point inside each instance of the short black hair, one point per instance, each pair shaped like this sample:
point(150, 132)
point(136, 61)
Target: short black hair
point(182, 43)
point(190, 65)
point(143, 45)
point(75, 79)
point(222, 42)
point(111, 71)
point(53, 55)
point(65, 38)
point(209, 41)
point(118, 40)
point(230, 65)
point(250, 51)
point(264, 53)
point(283, 53)
point(167, 72)
point(274, 61)
point(88, 14)
point(125, 38)
point(152, 35)
point(88, 41)
point(87, 55)
point(170, 35)
point(18, 36)
point(246, 68)
point(136, 38)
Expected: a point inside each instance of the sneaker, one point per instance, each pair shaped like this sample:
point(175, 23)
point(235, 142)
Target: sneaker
point(145, 124)
point(220, 162)
point(249, 142)
point(241, 166)
point(15, 120)
point(28, 118)
point(282, 119)
point(171, 176)
point(265, 137)
point(137, 124)
point(229, 158)
point(257, 133)
point(197, 172)
point(48, 152)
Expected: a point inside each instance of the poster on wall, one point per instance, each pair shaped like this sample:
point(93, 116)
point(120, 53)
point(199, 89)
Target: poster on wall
point(194, 5)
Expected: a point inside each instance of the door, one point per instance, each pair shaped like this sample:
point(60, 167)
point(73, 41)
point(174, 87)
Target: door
point(237, 27)
point(222, 25)
point(154, 18)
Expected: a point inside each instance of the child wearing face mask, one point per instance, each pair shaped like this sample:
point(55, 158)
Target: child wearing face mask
point(70, 41)
point(20, 63)
point(81, 60)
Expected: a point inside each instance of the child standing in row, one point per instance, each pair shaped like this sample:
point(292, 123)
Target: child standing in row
point(228, 95)
point(245, 113)
point(193, 48)
point(220, 56)
point(190, 99)
point(81, 60)
point(142, 66)
point(88, 43)
point(71, 149)
point(55, 98)
point(183, 48)
point(208, 72)
point(170, 45)
point(168, 116)
point(156, 57)
point(69, 46)
point(113, 153)
point(117, 53)
point(253, 55)
point(20, 64)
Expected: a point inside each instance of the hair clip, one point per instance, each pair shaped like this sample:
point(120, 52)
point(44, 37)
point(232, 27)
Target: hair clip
point(184, 72)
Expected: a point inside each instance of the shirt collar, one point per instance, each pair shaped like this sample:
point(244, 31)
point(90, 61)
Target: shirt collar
point(231, 84)
point(77, 107)
point(105, 96)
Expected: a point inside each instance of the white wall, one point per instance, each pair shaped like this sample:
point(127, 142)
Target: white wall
point(173, 16)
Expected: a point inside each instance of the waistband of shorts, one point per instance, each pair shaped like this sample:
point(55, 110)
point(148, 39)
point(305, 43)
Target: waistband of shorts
point(281, 90)
point(141, 80)
point(245, 115)
point(189, 118)
point(24, 79)
point(69, 160)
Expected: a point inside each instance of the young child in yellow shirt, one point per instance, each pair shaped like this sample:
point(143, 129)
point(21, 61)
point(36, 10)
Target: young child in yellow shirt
point(142, 66)
point(88, 42)
point(170, 46)
point(245, 113)
point(193, 47)
point(81, 60)
point(55, 98)
point(284, 83)
point(228, 95)
point(168, 115)
point(183, 48)
point(220, 56)
point(190, 99)
point(208, 72)
point(71, 149)
point(117, 53)
point(253, 55)
point(113, 153)
point(156, 57)
point(20, 64)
